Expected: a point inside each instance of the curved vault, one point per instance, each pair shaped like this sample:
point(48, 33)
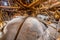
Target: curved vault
point(30, 28)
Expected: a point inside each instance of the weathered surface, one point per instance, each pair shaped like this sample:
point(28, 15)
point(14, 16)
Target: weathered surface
point(50, 34)
point(58, 26)
point(32, 29)
point(12, 28)
point(58, 29)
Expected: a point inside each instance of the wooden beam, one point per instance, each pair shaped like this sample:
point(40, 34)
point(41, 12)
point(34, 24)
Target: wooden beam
point(9, 7)
point(55, 5)
point(30, 5)
point(18, 3)
point(34, 3)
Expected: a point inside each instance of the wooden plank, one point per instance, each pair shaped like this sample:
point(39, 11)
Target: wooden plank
point(9, 7)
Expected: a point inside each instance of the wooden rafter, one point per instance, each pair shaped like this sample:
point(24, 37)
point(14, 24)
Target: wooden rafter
point(30, 5)
point(34, 3)
point(18, 3)
point(9, 7)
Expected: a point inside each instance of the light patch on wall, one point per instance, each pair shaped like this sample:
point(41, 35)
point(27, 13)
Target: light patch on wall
point(5, 3)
